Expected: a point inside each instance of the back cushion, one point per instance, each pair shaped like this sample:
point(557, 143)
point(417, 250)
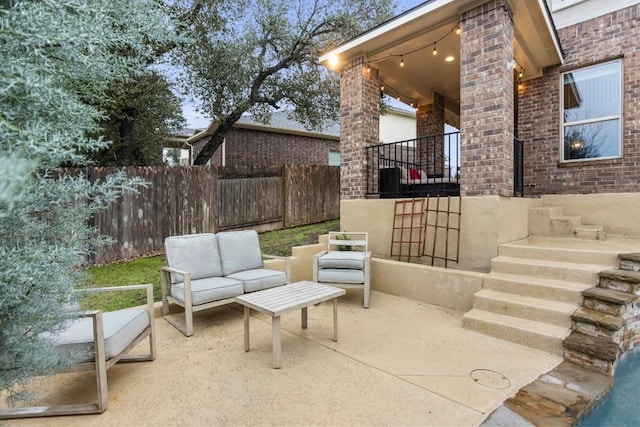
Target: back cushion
point(239, 251)
point(196, 253)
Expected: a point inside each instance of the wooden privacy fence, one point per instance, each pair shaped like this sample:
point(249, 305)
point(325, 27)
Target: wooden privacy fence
point(199, 199)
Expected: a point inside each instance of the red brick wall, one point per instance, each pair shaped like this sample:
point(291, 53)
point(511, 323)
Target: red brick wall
point(259, 148)
point(613, 36)
point(359, 126)
point(486, 104)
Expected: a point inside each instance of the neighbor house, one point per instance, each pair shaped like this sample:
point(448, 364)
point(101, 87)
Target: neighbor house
point(544, 168)
point(284, 140)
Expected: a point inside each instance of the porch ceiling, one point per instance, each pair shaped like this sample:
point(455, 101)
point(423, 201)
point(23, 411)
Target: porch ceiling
point(412, 36)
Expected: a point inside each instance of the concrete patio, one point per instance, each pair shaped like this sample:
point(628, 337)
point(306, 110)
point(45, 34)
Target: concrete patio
point(401, 362)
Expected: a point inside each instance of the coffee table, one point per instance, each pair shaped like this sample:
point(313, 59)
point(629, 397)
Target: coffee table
point(284, 299)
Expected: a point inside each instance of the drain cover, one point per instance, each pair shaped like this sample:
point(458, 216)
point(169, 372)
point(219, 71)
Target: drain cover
point(489, 378)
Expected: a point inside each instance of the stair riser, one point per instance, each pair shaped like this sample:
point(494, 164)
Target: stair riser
point(522, 311)
point(564, 226)
point(602, 306)
point(632, 288)
point(629, 265)
point(597, 331)
point(550, 254)
point(537, 291)
point(545, 271)
point(541, 342)
point(590, 233)
point(590, 362)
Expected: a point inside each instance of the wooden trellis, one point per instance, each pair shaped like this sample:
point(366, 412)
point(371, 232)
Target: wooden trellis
point(442, 217)
point(406, 235)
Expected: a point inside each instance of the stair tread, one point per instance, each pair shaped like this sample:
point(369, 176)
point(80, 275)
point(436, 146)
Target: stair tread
point(598, 318)
point(539, 281)
point(548, 263)
point(526, 325)
point(612, 296)
point(542, 303)
point(622, 275)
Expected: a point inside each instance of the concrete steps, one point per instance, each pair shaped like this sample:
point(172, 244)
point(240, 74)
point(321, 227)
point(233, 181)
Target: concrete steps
point(537, 284)
point(550, 221)
point(535, 287)
point(531, 333)
point(541, 310)
point(555, 270)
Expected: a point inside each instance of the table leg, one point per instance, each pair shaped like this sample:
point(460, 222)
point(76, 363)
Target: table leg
point(304, 317)
point(277, 344)
point(335, 319)
point(246, 328)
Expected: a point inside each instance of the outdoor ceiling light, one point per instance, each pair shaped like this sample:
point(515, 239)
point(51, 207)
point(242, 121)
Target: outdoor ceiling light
point(449, 58)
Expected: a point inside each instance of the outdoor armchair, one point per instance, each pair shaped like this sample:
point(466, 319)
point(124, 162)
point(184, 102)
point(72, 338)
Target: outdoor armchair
point(102, 339)
point(346, 263)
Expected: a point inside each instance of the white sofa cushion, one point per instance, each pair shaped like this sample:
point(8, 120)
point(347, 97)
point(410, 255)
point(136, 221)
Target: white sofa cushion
point(260, 278)
point(340, 275)
point(209, 289)
point(120, 327)
point(239, 251)
point(195, 253)
point(342, 259)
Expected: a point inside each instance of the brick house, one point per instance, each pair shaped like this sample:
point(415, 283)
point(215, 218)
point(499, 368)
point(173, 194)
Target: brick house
point(560, 76)
point(282, 141)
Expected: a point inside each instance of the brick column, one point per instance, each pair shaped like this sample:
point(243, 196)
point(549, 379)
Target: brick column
point(359, 126)
point(486, 101)
point(430, 122)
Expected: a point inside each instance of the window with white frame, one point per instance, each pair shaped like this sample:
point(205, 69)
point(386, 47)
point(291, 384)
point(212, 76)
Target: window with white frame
point(592, 112)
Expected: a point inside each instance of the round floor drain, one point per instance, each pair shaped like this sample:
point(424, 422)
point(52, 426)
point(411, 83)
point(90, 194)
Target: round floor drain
point(490, 379)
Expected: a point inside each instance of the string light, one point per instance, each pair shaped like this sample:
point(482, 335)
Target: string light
point(435, 49)
point(401, 61)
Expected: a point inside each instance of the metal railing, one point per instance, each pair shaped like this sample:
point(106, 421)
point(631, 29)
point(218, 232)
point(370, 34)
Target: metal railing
point(518, 167)
point(425, 166)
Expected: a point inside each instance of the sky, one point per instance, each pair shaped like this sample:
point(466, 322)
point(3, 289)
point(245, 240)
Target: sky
point(196, 120)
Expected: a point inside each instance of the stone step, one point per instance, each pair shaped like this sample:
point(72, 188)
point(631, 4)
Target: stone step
point(597, 323)
point(622, 280)
point(540, 220)
point(556, 270)
point(630, 261)
point(610, 301)
point(538, 335)
point(557, 290)
point(595, 347)
point(538, 309)
point(563, 250)
point(565, 225)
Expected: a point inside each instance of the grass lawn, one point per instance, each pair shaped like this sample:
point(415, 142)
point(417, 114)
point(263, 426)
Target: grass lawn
point(147, 270)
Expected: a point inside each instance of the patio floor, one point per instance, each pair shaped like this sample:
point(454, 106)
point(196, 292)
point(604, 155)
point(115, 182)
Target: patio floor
point(400, 362)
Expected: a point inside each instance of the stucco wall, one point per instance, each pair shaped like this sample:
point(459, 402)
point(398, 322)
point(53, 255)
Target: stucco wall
point(485, 223)
point(618, 213)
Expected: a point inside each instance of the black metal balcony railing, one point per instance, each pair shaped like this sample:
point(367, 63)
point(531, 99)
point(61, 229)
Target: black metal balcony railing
point(425, 166)
point(518, 167)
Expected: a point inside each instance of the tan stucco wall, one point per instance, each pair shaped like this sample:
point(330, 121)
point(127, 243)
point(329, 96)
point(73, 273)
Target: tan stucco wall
point(485, 223)
point(618, 213)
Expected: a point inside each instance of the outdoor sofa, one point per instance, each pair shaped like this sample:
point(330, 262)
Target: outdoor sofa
point(208, 270)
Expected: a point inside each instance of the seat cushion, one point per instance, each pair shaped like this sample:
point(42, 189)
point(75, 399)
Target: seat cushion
point(239, 251)
point(209, 289)
point(120, 327)
point(340, 275)
point(260, 278)
point(342, 259)
point(196, 253)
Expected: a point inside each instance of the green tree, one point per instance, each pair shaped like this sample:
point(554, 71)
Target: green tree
point(58, 60)
point(141, 114)
point(253, 57)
